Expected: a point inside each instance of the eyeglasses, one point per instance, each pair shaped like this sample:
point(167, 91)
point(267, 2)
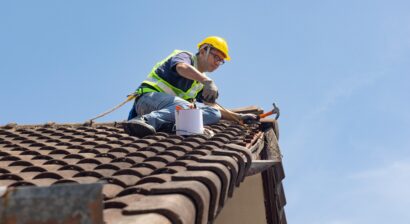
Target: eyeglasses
point(218, 59)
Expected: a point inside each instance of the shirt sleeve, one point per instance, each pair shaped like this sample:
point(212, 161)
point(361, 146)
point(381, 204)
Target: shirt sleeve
point(181, 57)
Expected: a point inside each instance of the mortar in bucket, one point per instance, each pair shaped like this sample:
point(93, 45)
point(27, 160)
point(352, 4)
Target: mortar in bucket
point(189, 122)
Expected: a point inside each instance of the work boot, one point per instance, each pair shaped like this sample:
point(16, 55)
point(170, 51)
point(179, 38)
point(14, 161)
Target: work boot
point(138, 127)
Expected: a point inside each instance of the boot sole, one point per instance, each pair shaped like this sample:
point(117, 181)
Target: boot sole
point(137, 129)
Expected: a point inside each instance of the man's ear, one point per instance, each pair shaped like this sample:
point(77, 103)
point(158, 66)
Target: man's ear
point(202, 50)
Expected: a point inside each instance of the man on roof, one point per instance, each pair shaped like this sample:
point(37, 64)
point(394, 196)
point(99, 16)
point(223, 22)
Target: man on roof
point(179, 80)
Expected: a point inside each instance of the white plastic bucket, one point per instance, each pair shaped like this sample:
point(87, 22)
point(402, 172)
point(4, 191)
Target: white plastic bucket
point(189, 122)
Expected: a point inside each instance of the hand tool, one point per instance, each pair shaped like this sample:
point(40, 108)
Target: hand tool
point(275, 110)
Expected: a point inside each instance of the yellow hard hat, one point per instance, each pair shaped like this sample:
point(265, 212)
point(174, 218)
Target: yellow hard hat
point(218, 43)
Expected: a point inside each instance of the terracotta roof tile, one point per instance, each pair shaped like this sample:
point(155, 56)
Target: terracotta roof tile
point(123, 201)
point(182, 148)
point(82, 179)
point(162, 178)
point(175, 207)
point(155, 178)
point(3, 171)
point(173, 153)
point(227, 162)
point(162, 158)
point(111, 190)
point(15, 169)
point(48, 175)
point(127, 179)
point(66, 181)
point(152, 218)
point(112, 215)
point(211, 181)
point(239, 159)
point(43, 182)
point(154, 164)
point(105, 172)
point(86, 166)
point(221, 171)
point(21, 184)
point(67, 173)
point(137, 189)
point(6, 182)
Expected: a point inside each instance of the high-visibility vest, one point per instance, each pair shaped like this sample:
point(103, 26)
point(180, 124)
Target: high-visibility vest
point(161, 85)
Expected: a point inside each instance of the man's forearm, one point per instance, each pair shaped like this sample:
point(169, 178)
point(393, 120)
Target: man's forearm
point(190, 72)
point(225, 114)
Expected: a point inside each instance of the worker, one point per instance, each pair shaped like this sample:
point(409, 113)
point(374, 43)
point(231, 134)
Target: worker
point(178, 80)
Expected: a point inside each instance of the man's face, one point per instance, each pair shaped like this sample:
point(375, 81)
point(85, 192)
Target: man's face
point(214, 60)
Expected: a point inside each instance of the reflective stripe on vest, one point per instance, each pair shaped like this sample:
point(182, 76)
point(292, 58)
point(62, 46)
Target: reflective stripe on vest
point(163, 86)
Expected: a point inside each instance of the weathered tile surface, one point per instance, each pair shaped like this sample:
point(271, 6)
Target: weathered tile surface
point(162, 178)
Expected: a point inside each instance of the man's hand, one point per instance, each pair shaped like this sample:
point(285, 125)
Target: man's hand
point(248, 117)
point(210, 91)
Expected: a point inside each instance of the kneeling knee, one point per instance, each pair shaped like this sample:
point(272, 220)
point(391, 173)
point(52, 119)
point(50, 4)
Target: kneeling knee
point(211, 115)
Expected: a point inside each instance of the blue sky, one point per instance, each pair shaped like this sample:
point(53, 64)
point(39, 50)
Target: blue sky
point(339, 71)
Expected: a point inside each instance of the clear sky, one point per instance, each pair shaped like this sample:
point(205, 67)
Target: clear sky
point(339, 71)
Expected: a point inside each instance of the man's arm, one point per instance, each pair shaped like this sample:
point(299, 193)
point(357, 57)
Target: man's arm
point(227, 114)
point(232, 116)
point(210, 91)
point(190, 72)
